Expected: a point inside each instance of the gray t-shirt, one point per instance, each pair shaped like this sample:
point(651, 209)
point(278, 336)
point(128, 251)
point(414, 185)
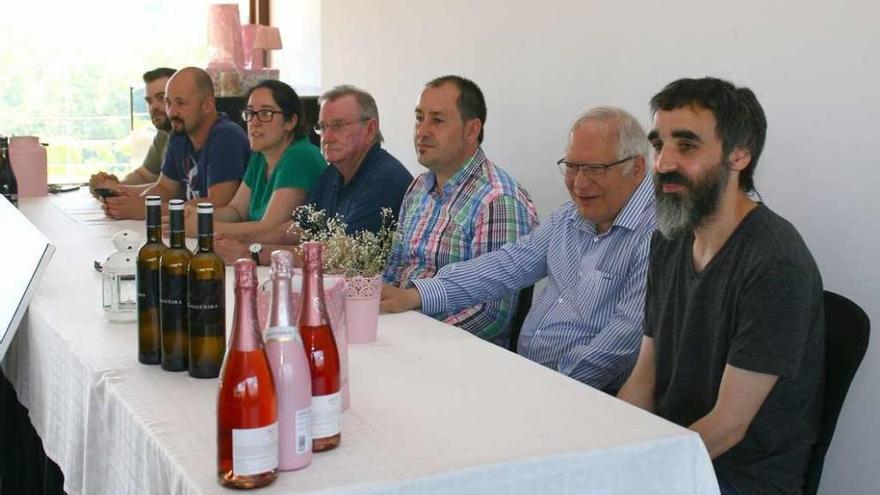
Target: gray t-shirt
point(154, 156)
point(757, 305)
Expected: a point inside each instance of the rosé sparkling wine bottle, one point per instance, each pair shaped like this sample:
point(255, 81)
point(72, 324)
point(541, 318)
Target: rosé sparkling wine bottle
point(323, 355)
point(290, 370)
point(247, 423)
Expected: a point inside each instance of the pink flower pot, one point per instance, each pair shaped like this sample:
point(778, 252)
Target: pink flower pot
point(362, 308)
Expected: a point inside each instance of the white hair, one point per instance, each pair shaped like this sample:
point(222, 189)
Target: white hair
point(631, 138)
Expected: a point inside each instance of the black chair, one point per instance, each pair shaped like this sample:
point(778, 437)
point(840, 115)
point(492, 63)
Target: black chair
point(846, 339)
point(523, 305)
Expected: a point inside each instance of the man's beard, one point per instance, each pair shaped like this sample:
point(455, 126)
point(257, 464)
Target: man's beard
point(181, 131)
point(164, 124)
point(680, 214)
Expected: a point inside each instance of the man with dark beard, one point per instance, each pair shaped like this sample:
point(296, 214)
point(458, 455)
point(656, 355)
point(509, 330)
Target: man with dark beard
point(734, 327)
point(154, 96)
point(206, 155)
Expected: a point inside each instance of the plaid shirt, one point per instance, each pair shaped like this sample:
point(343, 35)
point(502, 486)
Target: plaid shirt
point(479, 209)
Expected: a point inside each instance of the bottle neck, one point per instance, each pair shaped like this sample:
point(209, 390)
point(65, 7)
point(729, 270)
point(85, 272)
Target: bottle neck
point(178, 234)
point(4, 160)
point(206, 232)
point(280, 310)
point(154, 224)
point(312, 311)
point(206, 243)
point(245, 335)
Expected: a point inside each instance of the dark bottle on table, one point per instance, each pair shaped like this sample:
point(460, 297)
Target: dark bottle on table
point(207, 301)
point(247, 409)
point(8, 182)
point(174, 265)
point(320, 347)
point(149, 324)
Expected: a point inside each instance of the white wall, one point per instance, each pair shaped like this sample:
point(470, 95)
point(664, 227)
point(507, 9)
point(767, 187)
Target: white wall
point(299, 61)
point(814, 65)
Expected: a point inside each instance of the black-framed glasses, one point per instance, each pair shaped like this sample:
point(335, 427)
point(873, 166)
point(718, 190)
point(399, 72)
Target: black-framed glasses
point(264, 115)
point(592, 170)
point(336, 125)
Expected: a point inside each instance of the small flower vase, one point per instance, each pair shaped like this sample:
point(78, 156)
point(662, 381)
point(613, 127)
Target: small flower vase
point(362, 308)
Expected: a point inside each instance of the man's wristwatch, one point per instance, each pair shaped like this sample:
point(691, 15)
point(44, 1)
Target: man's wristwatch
point(255, 249)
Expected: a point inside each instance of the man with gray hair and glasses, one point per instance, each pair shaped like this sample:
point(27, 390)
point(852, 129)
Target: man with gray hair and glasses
point(587, 322)
point(363, 178)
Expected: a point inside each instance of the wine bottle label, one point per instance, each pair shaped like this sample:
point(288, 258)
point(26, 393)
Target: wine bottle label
point(173, 298)
point(254, 450)
point(326, 414)
point(206, 307)
point(303, 430)
point(147, 288)
point(282, 334)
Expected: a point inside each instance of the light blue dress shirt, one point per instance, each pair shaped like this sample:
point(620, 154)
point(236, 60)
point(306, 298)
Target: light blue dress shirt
point(587, 322)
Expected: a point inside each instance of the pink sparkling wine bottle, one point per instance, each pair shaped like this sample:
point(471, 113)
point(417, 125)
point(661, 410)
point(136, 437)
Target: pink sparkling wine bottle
point(290, 369)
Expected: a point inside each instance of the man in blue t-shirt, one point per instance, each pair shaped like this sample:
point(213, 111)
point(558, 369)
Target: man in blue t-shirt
point(363, 180)
point(206, 154)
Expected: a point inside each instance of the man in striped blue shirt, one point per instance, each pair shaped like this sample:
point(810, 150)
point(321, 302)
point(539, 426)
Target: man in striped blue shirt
point(593, 250)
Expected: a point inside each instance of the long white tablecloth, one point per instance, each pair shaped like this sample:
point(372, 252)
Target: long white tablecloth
point(434, 409)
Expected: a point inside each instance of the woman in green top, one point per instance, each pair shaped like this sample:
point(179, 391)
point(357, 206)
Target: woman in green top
point(283, 167)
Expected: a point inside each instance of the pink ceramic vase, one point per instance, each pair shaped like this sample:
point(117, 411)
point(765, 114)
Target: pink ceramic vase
point(362, 308)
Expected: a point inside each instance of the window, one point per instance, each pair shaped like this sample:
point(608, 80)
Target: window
point(72, 75)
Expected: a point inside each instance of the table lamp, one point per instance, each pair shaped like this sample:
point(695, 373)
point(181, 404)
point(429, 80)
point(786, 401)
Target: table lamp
point(224, 37)
point(266, 38)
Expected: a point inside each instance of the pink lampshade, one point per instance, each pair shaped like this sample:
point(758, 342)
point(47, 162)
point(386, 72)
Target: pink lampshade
point(267, 38)
point(224, 36)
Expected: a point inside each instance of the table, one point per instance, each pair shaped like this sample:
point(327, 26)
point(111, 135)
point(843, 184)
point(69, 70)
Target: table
point(434, 409)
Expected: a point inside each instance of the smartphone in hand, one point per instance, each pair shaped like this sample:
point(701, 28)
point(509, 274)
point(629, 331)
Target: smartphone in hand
point(104, 192)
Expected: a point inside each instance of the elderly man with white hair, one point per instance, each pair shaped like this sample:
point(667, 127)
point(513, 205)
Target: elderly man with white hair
point(587, 322)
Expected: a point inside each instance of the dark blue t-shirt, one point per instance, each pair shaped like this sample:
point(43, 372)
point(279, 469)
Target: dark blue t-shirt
point(222, 158)
point(380, 181)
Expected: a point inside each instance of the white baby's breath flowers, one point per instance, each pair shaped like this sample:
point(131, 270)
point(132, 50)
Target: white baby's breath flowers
point(361, 254)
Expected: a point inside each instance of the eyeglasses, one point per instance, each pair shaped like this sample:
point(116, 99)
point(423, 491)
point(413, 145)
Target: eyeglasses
point(337, 125)
point(262, 115)
point(592, 170)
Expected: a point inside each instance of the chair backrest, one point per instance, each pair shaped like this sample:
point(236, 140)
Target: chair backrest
point(847, 328)
point(523, 305)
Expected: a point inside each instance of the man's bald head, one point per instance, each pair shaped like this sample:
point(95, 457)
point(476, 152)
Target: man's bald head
point(196, 79)
point(189, 101)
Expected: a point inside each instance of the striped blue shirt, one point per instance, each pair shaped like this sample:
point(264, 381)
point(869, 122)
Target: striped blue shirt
point(587, 323)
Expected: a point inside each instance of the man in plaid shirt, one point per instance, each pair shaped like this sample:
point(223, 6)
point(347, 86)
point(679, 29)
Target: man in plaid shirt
point(462, 207)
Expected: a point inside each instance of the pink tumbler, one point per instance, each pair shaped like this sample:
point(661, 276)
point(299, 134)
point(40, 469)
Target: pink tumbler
point(28, 158)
